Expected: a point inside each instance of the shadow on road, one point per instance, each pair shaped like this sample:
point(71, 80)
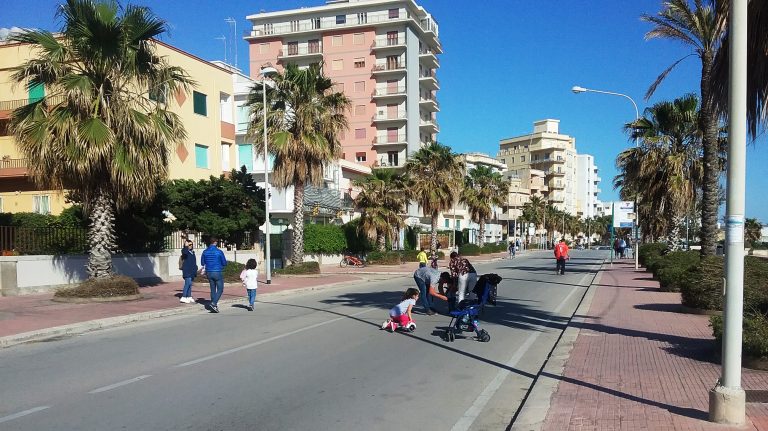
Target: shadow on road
point(568, 269)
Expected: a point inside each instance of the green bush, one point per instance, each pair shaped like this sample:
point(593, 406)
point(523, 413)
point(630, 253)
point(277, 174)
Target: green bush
point(754, 334)
point(652, 251)
point(410, 255)
point(384, 258)
point(702, 285)
point(670, 268)
point(324, 239)
point(493, 248)
point(302, 268)
point(469, 250)
point(118, 285)
point(357, 242)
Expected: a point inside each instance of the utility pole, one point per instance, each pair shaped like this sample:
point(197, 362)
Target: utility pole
point(233, 22)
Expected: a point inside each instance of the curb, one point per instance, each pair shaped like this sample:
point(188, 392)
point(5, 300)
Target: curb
point(110, 322)
point(534, 411)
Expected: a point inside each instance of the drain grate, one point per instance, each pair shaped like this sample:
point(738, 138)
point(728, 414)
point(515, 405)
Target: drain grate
point(754, 396)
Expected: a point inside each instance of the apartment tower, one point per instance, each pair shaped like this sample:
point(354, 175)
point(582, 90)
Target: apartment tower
point(381, 53)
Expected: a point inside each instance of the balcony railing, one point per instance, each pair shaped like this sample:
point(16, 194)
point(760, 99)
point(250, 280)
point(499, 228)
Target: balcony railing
point(388, 42)
point(389, 91)
point(429, 123)
point(352, 21)
point(389, 140)
point(297, 51)
point(396, 66)
point(384, 163)
point(387, 117)
point(13, 163)
point(9, 105)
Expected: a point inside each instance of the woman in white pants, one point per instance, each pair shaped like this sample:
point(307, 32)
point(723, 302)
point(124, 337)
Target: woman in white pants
point(465, 275)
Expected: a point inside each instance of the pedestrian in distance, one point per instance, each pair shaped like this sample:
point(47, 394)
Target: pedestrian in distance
point(517, 244)
point(561, 255)
point(622, 247)
point(400, 315)
point(511, 249)
point(213, 262)
point(422, 258)
point(464, 273)
point(188, 267)
point(250, 280)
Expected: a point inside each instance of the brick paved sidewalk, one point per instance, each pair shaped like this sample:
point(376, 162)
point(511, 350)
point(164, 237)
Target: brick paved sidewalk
point(639, 364)
point(22, 314)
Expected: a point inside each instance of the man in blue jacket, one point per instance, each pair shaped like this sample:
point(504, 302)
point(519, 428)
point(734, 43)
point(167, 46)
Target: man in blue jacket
point(213, 262)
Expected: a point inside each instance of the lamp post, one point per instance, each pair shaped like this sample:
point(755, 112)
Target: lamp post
point(727, 399)
point(577, 90)
point(266, 71)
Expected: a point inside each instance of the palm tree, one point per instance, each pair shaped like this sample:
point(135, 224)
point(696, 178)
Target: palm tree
point(666, 166)
point(305, 120)
point(534, 211)
point(483, 189)
point(752, 231)
point(97, 131)
point(381, 202)
point(701, 28)
point(435, 178)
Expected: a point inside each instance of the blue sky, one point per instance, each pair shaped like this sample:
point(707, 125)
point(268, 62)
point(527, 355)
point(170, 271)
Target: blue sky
point(506, 64)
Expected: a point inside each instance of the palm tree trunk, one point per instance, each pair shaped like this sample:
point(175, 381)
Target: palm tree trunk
point(710, 186)
point(433, 239)
point(297, 255)
point(481, 241)
point(674, 233)
point(381, 241)
point(101, 235)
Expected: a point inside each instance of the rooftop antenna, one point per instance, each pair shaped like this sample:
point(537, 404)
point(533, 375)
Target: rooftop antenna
point(224, 40)
point(233, 23)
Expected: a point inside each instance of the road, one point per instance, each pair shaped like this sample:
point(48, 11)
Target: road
point(314, 361)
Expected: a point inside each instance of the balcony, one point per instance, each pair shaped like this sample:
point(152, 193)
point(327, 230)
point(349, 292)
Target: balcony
point(10, 105)
point(546, 160)
point(553, 173)
point(430, 104)
point(385, 117)
point(429, 80)
point(389, 68)
point(10, 168)
point(430, 126)
point(389, 92)
point(554, 185)
point(385, 43)
point(391, 164)
point(300, 52)
point(390, 141)
point(556, 197)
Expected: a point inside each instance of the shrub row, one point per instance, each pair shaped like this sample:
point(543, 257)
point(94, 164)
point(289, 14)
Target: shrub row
point(302, 268)
point(474, 250)
point(754, 341)
point(324, 239)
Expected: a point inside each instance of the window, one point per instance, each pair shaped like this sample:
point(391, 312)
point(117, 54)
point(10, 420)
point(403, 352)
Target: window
point(226, 108)
point(392, 37)
point(245, 156)
point(362, 18)
point(359, 133)
point(337, 64)
point(360, 156)
point(36, 92)
point(337, 40)
point(225, 157)
point(359, 62)
point(268, 28)
point(313, 46)
point(341, 19)
point(394, 13)
point(201, 156)
point(4, 122)
point(458, 224)
point(447, 223)
point(359, 86)
point(293, 48)
point(315, 23)
point(393, 158)
point(393, 62)
point(359, 109)
point(522, 158)
point(295, 25)
point(511, 160)
point(263, 48)
point(199, 103)
point(41, 204)
point(339, 87)
point(358, 38)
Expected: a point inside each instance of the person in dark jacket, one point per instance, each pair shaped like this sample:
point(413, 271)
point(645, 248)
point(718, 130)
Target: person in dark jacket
point(188, 271)
point(213, 262)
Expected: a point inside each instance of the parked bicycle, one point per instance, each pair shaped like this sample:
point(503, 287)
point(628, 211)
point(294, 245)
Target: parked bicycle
point(349, 260)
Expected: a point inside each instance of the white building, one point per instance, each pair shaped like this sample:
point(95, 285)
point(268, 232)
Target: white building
point(587, 186)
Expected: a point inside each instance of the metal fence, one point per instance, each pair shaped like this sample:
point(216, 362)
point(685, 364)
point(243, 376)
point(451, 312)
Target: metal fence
point(243, 240)
point(42, 240)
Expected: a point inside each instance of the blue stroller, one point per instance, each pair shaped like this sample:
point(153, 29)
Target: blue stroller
point(464, 317)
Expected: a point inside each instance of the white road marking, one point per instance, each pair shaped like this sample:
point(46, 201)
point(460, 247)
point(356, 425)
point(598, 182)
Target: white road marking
point(22, 414)
point(469, 417)
point(276, 337)
point(118, 384)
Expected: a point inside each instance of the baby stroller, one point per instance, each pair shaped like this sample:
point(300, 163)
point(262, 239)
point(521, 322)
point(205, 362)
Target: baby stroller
point(464, 317)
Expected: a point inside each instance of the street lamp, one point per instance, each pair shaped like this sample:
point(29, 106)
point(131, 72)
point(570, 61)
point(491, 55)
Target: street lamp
point(577, 90)
point(266, 71)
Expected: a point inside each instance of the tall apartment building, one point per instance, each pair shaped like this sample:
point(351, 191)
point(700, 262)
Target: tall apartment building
point(587, 186)
point(207, 112)
point(381, 53)
point(549, 151)
point(523, 185)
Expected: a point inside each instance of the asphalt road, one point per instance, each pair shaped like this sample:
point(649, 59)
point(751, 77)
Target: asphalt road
point(314, 361)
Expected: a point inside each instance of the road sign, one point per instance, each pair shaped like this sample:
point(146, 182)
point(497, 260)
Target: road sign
point(624, 214)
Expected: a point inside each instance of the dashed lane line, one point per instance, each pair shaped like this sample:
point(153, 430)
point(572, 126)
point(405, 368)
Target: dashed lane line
point(119, 384)
point(22, 414)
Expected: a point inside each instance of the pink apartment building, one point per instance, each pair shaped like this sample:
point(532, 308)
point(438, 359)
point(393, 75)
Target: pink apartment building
point(381, 53)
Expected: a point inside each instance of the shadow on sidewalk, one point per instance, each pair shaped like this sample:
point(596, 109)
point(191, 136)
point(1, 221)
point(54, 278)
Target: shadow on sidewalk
point(677, 410)
point(664, 308)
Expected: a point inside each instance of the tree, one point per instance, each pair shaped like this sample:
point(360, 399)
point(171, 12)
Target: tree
point(701, 28)
point(305, 118)
point(752, 231)
point(97, 131)
point(665, 167)
point(534, 211)
point(483, 189)
point(381, 201)
point(435, 178)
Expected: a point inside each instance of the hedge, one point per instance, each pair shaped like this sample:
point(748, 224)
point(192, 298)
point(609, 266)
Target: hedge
point(324, 239)
point(754, 341)
point(469, 250)
point(410, 255)
point(302, 268)
point(702, 286)
point(384, 258)
point(670, 269)
point(649, 252)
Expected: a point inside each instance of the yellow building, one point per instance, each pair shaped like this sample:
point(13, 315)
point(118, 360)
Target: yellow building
point(207, 112)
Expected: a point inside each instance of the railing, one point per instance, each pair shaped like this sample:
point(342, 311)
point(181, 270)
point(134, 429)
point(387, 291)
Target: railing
point(389, 91)
point(13, 163)
point(384, 163)
point(242, 240)
point(382, 140)
point(43, 240)
point(387, 117)
point(400, 65)
point(383, 42)
point(429, 123)
point(290, 51)
point(9, 105)
point(352, 21)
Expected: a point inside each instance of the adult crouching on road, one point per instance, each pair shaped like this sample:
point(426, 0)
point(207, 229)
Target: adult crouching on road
point(464, 273)
point(188, 271)
point(213, 263)
point(428, 279)
point(561, 254)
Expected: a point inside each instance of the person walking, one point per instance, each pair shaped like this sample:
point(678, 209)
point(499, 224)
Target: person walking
point(213, 262)
point(622, 247)
point(561, 254)
point(250, 280)
point(188, 271)
point(511, 249)
point(518, 244)
point(464, 273)
point(422, 258)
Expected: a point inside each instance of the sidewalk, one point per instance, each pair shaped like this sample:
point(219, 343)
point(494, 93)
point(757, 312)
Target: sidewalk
point(638, 363)
point(30, 317)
